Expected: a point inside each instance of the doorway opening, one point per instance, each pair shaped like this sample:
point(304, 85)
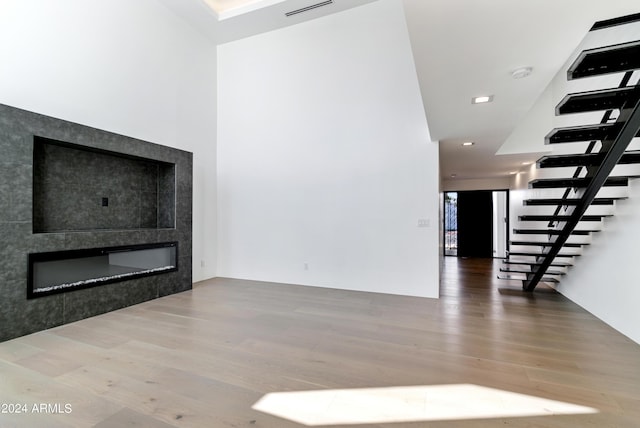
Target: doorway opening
point(476, 223)
point(451, 223)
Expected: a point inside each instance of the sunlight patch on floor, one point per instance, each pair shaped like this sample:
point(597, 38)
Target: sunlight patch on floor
point(408, 404)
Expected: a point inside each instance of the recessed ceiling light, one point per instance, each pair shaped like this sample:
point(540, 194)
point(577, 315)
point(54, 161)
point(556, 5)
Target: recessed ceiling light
point(482, 99)
point(527, 163)
point(521, 72)
point(513, 172)
point(453, 175)
point(468, 143)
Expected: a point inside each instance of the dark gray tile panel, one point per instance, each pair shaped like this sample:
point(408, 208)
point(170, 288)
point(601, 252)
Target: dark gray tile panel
point(68, 196)
point(19, 316)
point(88, 302)
point(15, 194)
point(176, 282)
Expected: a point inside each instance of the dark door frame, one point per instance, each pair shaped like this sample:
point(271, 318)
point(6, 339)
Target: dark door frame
point(508, 215)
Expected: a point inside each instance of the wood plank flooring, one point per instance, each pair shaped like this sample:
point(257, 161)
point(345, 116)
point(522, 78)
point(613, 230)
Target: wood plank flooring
point(204, 357)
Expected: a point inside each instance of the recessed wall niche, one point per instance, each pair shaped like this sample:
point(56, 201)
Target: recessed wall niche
point(77, 188)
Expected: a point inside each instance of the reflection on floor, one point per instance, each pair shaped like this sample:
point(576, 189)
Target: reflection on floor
point(409, 404)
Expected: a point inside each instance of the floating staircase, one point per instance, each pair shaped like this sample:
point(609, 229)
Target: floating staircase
point(544, 247)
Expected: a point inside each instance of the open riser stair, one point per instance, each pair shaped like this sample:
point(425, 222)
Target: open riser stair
point(568, 209)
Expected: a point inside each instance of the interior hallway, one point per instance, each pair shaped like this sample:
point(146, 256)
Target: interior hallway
point(202, 358)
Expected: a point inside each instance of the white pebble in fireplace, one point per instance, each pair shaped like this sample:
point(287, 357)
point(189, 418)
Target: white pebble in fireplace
point(60, 271)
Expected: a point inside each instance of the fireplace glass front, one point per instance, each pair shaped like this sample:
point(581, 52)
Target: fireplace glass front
point(61, 271)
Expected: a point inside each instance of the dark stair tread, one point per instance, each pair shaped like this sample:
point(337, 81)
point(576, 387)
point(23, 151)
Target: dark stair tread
point(549, 244)
point(534, 254)
point(597, 217)
point(570, 201)
point(548, 272)
point(511, 278)
point(557, 183)
point(605, 60)
point(555, 263)
point(515, 278)
point(585, 159)
point(553, 231)
point(575, 134)
point(602, 99)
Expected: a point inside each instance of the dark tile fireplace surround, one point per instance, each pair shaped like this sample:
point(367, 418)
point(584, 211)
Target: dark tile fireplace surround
point(118, 207)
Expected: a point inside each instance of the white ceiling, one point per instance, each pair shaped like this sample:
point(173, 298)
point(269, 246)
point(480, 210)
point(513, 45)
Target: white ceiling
point(268, 15)
point(462, 49)
point(466, 48)
point(229, 8)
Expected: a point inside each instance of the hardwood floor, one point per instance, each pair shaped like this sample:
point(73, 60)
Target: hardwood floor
point(204, 357)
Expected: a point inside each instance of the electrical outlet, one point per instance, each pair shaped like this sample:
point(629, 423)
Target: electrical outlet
point(306, 266)
point(423, 222)
point(202, 263)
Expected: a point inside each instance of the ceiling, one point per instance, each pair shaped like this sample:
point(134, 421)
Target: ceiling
point(462, 49)
point(467, 48)
point(229, 8)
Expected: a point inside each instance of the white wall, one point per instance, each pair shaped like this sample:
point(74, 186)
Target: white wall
point(129, 67)
point(604, 279)
point(476, 184)
point(500, 232)
point(324, 163)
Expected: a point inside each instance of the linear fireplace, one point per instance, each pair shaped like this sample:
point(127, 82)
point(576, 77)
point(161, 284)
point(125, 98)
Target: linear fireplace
point(61, 271)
